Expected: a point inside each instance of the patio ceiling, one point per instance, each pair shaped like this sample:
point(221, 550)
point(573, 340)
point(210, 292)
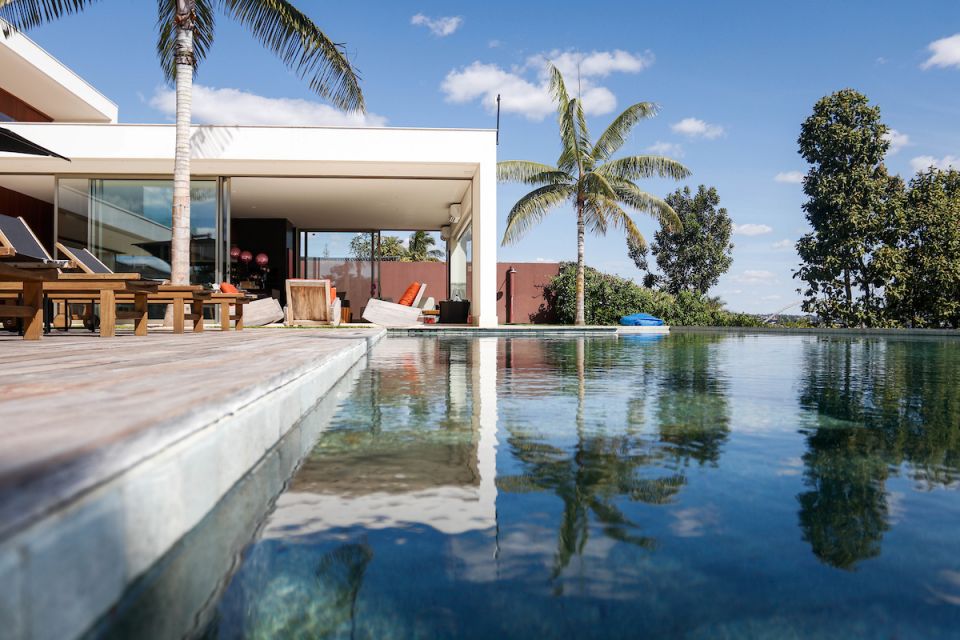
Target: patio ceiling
point(349, 203)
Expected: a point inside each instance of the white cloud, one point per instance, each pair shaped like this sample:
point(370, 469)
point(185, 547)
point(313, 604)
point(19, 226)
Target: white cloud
point(697, 128)
point(897, 141)
point(751, 229)
point(782, 244)
point(666, 149)
point(944, 52)
point(440, 27)
point(525, 90)
point(755, 276)
point(790, 177)
point(596, 64)
point(233, 106)
point(922, 163)
point(493, 44)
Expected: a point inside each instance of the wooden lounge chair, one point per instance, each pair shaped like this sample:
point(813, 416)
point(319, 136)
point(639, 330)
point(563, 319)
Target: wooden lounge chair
point(25, 271)
point(177, 295)
point(19, 244)
point(392, 314)
point(311, 302)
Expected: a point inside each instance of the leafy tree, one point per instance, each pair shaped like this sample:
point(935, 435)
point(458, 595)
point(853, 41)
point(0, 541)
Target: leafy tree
point(854, 208)
point(611, 297)
point(391, 247)
point(419, 248)
point(694, 257)
point(640, 254)
point(926, 292)
point(587, 178)
point(185, 34)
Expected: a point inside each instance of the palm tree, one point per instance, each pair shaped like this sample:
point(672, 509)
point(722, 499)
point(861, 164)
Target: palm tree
point(419, 248)
point(185, 35)
point(586, 177)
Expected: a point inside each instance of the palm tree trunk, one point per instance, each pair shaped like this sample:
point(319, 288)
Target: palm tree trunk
point(581, 316)
point(180, 248)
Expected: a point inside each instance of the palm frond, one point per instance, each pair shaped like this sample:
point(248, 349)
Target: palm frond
point(530, 173)
point(616, 134)
point(614, 215)
point(26, 14)
point(302, 46)
point(532, 208)
point(635, 167)
point(203, 27)
point(569, 137)
point(634, 197)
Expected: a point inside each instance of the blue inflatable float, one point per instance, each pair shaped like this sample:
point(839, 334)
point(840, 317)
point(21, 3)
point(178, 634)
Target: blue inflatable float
point(641, 320)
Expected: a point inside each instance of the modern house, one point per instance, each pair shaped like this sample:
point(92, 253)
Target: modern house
point(308, 198)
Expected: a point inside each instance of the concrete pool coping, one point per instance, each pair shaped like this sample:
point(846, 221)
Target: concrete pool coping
point(117, 448)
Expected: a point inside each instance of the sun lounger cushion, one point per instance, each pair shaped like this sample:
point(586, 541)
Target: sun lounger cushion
point(409, 295)
point(226, 287)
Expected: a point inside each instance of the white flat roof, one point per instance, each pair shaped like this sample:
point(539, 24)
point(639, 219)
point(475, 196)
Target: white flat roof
point(145, 149)
point(49, 86)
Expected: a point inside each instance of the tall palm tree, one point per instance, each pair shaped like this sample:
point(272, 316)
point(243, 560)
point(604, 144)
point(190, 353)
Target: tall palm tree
point(587, 177)
point(185, 34)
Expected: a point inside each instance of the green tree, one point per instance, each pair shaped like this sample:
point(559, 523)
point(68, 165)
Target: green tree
point(640, 254)
point(854, 208)
point(586, 177)
point(926, 292)
point(694, 257)
point(419, 248)
point(186, 30)
point(391, 247)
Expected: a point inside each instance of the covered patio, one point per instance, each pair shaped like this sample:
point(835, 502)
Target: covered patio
point(279, 191)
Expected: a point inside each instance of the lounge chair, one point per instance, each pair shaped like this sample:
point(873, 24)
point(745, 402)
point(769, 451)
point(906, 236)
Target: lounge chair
point(177, 295)
point(311, 302)
point(20, 246)
point(399, 314)
point(24, 269)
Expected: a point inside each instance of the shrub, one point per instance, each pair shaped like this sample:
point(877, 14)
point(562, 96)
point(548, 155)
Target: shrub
point(607, 298)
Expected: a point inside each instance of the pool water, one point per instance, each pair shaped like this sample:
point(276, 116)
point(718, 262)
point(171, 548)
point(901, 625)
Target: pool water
point(697, 485)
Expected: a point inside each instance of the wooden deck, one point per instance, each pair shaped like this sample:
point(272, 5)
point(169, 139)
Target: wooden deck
point(75, 408)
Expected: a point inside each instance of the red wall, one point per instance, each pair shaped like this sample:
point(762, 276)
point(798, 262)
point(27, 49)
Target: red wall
point(529, 281)
point(353, 279)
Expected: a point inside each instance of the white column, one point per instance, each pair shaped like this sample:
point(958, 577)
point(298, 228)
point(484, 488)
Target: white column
point(485, 241)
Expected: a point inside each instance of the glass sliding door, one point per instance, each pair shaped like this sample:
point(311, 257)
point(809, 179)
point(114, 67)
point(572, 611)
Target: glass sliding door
point(127, 224)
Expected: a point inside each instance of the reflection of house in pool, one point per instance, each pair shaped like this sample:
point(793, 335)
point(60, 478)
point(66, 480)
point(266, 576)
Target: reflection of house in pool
point(424, 454)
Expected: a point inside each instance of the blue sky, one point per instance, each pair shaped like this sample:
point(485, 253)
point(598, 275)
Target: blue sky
point(734, 80)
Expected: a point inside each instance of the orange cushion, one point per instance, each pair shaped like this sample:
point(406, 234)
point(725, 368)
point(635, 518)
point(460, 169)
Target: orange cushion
point(333, 294)
point(409, 295)
point(226, 287)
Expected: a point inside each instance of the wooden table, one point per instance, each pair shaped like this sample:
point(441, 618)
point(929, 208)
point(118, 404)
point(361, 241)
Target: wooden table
point(29, 278)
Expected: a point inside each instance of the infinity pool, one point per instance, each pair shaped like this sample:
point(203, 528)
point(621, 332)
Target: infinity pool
point(697, 485)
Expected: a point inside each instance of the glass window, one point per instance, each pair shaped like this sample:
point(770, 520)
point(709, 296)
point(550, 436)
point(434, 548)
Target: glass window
point(127, 224)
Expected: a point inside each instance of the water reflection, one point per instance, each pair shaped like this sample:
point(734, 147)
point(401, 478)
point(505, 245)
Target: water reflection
point(619, 488)
point(874, 405)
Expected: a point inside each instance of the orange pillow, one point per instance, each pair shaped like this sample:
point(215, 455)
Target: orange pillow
point(333, 294)
point(226, 287)
point(409, 295)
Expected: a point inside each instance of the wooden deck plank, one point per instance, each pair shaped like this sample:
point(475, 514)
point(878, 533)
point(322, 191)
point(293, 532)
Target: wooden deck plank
point(69, 395)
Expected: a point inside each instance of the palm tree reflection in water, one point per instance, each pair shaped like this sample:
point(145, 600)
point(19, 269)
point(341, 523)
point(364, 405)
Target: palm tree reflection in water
point(607, 463)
